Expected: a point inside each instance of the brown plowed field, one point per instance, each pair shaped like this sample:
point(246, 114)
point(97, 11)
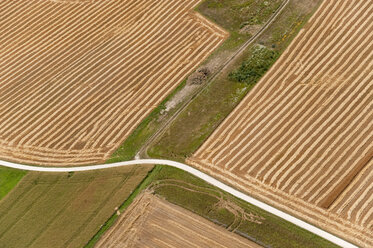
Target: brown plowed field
point(76, 77)
point(152, 222)
point(305, 132)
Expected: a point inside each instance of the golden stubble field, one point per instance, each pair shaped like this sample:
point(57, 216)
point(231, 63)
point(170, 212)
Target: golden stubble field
point(303, 137)
point(76, 77)
point(153, 222)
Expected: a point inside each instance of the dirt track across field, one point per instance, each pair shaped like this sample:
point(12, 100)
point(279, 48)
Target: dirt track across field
point(153, 222)
point(305, 132)
point(76, 77)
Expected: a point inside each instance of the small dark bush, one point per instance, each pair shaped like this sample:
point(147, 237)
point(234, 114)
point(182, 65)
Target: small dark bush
point(255, 66)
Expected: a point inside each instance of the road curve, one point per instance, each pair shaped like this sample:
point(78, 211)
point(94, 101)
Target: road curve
point(328, 236)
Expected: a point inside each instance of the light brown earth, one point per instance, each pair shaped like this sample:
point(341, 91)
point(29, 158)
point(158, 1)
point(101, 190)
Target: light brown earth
point(153, 222)
point(305, 132)
point(76, 77)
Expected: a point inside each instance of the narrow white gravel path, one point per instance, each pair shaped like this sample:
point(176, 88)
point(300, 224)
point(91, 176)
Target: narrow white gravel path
point(328, 236)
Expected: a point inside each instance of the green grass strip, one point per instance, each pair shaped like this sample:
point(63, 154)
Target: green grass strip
point(111, 221)
point(9, 178)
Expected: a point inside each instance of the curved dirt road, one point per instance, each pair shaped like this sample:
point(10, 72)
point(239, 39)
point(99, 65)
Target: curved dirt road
point(328, 236)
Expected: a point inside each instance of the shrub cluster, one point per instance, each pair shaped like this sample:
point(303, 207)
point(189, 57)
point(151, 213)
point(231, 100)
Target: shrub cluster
point(253, 68)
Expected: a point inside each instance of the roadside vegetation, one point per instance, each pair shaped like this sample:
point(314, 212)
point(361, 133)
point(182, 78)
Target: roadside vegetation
point(143, 132)
point(241, 18)
point(64, 210)
point(9, 179)
point(235, 16)
point(255, 66)
point(202, 116)
point(194, 194)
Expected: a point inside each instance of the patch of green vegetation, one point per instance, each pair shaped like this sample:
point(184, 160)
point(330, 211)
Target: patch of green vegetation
point(235, 14)
point(255, 66)
point(289, 22)
point(9, 178)
point(203, 115)
point(110, 222)
point(196, 195)
point(192, 127)
point(240, 18)
point(142, 133)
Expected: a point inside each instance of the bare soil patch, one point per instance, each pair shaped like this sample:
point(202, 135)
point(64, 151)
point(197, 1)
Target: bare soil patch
point(153, 222)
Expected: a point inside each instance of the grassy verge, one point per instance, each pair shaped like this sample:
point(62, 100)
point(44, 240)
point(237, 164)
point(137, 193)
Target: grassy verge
point(194, 194)
point(196, 123)
point(9, 179)
point(240, 15)
point(142, 133)
point(143, 185)
point(232, 15)
point(241, 18)
point(207, 111)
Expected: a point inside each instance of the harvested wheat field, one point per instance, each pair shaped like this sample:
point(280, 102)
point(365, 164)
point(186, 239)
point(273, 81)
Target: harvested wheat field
point(303, 137)
point(76, 77)
point(153, 222)
point(356, 201)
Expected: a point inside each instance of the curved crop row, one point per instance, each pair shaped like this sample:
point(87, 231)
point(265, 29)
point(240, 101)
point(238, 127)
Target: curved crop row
point(76, 79)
